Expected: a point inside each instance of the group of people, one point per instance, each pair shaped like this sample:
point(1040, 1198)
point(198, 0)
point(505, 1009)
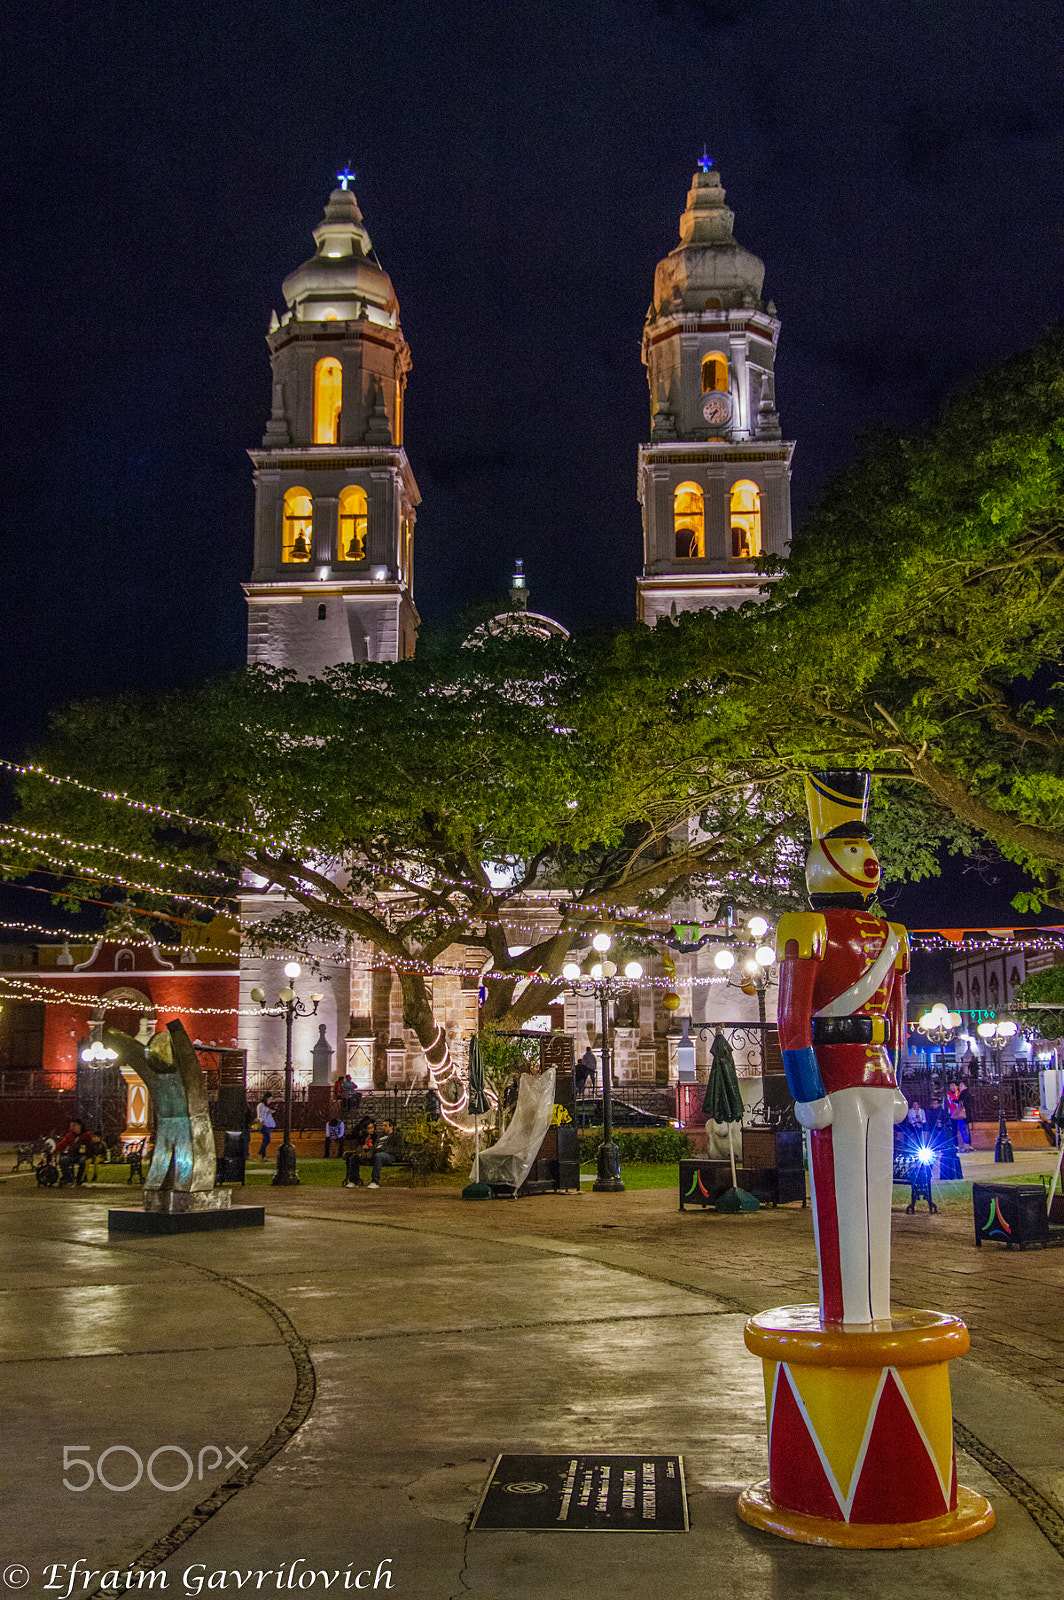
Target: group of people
point(376, 1150)
point(953, 1118)
point(74, 1151)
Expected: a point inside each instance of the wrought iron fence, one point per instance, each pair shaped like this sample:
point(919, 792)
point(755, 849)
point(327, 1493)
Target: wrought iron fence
point(1015, 1095)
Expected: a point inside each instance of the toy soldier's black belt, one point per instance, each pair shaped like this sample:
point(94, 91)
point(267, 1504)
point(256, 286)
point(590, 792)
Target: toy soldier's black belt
point(851, 1030)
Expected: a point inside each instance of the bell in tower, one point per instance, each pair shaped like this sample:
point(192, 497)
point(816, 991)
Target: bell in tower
point(335, 499)
point(714, 480)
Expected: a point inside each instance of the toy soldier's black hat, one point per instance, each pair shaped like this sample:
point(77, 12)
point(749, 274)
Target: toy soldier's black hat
point(838, 803)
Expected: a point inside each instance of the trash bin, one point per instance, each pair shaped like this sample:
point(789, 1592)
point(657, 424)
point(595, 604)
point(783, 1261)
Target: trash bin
point(1011, 1213)
point(229, 1165)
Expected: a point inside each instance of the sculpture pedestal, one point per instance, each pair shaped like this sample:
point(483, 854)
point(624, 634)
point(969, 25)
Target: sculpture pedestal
point(186, 1211)
point(860, 1432)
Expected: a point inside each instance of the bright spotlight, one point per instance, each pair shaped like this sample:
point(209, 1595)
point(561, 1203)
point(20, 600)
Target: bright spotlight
point(758, 927)
point(724, 960)
point(292, 969)
point(601, 942)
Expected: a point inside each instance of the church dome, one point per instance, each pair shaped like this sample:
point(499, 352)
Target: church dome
point(343, 278)
point(708, 265)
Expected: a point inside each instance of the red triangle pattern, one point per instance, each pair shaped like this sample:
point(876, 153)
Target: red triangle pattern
point(797, 1479)
point(898, 1480)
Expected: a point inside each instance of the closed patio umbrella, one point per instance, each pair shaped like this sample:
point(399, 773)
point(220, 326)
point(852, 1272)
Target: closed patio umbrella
point(478, 1105)
point(723, 1102)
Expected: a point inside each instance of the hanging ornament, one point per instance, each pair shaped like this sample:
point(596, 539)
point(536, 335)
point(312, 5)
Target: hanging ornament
point(670, 1000)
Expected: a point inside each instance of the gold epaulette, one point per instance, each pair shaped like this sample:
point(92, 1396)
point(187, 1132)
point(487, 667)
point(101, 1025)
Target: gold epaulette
point(807, 929)
point(902, 962)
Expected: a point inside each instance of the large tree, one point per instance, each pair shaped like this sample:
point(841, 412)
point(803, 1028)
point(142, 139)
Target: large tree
point(411, 805)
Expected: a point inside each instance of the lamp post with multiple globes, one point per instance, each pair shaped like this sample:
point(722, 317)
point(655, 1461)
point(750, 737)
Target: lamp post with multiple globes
point(289, 1007)
point(996, 1035)
point(755, 958)
point(599, 977)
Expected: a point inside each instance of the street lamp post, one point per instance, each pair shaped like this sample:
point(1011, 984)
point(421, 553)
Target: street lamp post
point(290, 1007)
point(939, 1025)
point(603, 981)
point(754, 958)
point(996, 1035)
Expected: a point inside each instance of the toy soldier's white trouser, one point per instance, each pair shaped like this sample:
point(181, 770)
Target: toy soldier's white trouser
point(851, 1168)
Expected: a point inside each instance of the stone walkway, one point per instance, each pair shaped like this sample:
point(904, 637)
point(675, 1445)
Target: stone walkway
point(368, 1354)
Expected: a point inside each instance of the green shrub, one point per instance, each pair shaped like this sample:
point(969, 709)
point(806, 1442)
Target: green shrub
point(638, 1144)
point(428, 1144)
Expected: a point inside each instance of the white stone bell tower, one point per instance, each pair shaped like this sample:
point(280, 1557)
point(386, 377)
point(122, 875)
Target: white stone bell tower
point(714, 481)
point(335, 499)
point(335, 503)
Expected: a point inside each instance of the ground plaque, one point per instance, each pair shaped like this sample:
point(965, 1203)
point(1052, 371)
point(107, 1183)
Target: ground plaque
point(585, 1494)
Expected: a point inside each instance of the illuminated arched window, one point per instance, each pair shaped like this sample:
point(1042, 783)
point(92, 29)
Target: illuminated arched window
point(354, 523)
point(296, 539)
point(689, 522)
point(745, 520)
point(328, 383)
point(714, 372)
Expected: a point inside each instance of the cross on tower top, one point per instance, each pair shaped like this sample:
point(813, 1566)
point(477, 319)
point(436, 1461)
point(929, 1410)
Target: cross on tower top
point(705, 160)
point(346, 176)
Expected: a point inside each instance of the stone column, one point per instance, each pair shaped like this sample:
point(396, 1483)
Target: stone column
point(325, 529)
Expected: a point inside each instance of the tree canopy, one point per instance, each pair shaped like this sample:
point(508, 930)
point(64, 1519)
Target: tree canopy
point(411, 805)
point(916, 629)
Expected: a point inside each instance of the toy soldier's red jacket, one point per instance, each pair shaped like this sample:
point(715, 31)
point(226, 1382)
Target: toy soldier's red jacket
point(841, 1000)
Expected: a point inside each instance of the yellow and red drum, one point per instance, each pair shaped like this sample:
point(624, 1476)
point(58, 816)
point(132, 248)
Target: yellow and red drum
point(860, 1429)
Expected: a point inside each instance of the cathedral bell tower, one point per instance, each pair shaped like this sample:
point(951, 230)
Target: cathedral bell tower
point(714, 481)
point(335, 499)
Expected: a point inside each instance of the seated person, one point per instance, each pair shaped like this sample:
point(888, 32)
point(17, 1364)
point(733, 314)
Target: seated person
point(97, 1152)
point(73, 1153)
point(385, 1152)
point(362, 1142)
point(334, 1130)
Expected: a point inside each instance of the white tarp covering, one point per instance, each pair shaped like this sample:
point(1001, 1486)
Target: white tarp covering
point(510, 1161)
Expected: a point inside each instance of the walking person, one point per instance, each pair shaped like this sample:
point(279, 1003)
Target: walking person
point(958, 1114)
point(267, 1123)
point(965, 1125)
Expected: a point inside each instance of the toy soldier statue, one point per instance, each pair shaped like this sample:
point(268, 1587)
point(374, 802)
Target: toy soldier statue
point(842, 1024)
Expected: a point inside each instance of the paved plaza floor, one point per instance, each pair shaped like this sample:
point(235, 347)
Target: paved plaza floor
point(344, 1379)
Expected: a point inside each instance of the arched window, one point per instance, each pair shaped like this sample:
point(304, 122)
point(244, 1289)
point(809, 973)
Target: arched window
point(296, 538)
point(689, 522)
point(354, 523)
point(321, 613)
point(714, 372)
point(745, 520)
point(328, 384)
point(976, 992)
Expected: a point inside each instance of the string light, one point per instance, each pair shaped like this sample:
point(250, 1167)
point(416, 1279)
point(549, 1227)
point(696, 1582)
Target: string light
point(118, 850)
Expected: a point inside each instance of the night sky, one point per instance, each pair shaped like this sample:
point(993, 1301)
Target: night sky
point(521, 169)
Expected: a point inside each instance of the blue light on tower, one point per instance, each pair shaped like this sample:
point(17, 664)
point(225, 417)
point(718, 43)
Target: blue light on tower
point(705, 160)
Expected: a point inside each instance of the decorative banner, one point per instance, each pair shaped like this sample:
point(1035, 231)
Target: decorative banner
point(585, 1494)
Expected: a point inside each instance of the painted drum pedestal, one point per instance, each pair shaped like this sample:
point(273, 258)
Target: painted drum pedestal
point(860, 1432)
